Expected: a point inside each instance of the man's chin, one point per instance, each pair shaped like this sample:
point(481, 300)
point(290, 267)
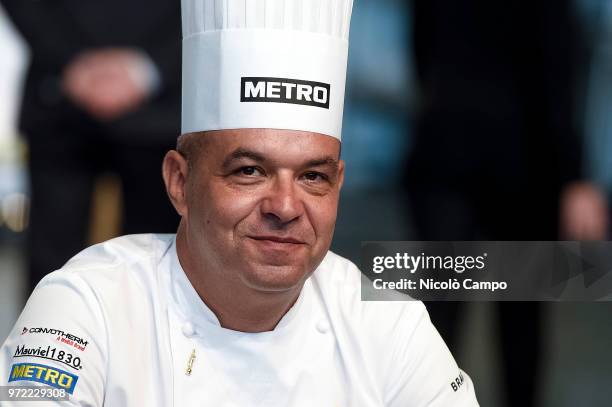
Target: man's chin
point(275, 277)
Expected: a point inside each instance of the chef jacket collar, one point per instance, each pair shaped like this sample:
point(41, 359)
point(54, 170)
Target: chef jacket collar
point(195, 311)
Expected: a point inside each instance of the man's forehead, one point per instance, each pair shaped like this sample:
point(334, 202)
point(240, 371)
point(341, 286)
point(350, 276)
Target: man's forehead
point(271, 144)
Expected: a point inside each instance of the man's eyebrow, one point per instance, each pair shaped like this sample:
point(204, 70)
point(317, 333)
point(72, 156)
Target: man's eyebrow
point(242, 153)
point(318, 162)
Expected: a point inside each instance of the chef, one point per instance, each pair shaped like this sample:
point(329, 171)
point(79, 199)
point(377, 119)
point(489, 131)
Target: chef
point(245, 305)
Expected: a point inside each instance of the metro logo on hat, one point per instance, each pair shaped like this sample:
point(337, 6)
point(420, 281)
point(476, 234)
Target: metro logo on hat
point(277, 64)
point(294, 91)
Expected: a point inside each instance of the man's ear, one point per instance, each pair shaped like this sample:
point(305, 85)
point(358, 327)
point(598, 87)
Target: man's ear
point(175, 170)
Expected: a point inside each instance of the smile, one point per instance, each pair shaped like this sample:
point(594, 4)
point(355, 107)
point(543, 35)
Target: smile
point(277, 240)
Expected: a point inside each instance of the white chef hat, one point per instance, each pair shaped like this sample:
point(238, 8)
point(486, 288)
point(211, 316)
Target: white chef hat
point(265, 64)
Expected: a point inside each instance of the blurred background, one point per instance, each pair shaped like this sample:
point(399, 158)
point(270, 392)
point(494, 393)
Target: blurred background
point(464, 120)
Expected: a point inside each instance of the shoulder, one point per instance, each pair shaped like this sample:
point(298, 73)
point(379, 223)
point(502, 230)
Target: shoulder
point(102, 272)
point(118, 252)
point(339, 282)
point(122, 260)
point(98, 275)
point(394, 341)
point(385, 329)
point(119, 274)
point(65, 326)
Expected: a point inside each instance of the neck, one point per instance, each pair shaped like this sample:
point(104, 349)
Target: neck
point(236, 306)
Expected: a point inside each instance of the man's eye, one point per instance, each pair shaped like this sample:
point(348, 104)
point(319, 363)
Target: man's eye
point(315, 176)
point(248, 171)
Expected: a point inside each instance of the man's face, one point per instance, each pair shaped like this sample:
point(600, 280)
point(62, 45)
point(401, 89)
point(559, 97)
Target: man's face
point(261, 205)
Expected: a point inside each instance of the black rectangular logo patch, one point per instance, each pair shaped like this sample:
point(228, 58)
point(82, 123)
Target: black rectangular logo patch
point(284, 90)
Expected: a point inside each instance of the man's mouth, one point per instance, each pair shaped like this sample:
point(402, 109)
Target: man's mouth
point(277, 239)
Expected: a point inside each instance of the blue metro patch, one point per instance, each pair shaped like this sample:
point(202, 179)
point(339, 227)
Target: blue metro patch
point(48, 375)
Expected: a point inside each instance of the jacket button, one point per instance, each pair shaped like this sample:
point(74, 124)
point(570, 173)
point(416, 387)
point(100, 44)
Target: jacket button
point(188, 329)
point(322, 326)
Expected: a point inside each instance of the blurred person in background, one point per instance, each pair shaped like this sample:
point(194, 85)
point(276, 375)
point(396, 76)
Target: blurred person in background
point(497, 155)
point(102, 94)
point(596, 23)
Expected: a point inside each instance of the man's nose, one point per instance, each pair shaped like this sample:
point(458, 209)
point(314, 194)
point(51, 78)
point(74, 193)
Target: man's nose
point(282, 204)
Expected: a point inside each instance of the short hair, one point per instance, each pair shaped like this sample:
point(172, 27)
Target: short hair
point(191, 146)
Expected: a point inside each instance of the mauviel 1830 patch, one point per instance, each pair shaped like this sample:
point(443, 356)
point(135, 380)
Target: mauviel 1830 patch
point(48, 375)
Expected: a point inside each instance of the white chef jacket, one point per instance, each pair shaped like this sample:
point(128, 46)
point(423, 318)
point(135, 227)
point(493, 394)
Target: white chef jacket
point(127, 323)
